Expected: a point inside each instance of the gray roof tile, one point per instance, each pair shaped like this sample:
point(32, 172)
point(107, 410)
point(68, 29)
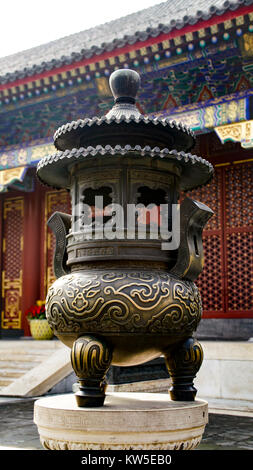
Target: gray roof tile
point(137, 26)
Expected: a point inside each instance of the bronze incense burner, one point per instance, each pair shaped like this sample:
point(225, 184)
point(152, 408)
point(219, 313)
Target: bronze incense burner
point(124, 293)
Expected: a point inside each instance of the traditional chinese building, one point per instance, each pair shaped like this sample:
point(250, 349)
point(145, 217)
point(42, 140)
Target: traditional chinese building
point(196, 65)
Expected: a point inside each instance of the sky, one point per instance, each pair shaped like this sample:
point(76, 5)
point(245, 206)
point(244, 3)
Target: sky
point(28, 23)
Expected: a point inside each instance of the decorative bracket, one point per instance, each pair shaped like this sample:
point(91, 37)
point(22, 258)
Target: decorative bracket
point(237, 132)
point(193, 217)
point(60, 224)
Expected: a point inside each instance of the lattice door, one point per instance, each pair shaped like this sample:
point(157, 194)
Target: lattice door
point(55, 201)
point(226, 281)
point(13, 225)
point(238, 239)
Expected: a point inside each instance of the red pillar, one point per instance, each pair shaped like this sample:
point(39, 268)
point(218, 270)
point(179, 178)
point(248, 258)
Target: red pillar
point(33, 228)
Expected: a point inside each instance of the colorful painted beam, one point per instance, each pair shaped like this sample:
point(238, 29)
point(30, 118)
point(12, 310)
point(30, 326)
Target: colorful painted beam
point(216, 112)
point(23, 156)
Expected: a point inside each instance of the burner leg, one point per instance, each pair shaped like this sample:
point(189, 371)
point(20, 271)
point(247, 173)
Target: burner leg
point(183, 363)
point(91, 358)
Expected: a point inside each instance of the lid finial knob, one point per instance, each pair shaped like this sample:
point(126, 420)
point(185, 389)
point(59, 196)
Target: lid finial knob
point(124, 84)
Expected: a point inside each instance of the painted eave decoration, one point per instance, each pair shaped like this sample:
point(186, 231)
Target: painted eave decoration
point(166, 18)
point(195, 61)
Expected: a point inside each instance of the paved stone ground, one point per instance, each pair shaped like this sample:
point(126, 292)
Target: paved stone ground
point(224, 432)
point(17, 429)
point(16, 425)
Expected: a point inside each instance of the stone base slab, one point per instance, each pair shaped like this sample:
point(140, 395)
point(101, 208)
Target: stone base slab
point(131, 420)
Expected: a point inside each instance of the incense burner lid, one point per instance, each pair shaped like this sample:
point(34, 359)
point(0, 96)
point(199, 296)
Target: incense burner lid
point(53, 170)
point(123, 130)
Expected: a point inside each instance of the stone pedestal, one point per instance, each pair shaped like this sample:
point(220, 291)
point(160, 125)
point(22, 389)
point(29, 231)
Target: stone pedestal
point(126, 421)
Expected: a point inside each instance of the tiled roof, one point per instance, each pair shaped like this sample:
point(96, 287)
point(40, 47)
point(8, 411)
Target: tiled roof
point(139, 26)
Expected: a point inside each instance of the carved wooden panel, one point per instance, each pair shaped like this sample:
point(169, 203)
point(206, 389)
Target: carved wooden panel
point(239, 195)
point(13, 225)
point(55, 201)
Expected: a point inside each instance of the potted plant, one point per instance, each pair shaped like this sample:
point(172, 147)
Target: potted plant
point(38, 323)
